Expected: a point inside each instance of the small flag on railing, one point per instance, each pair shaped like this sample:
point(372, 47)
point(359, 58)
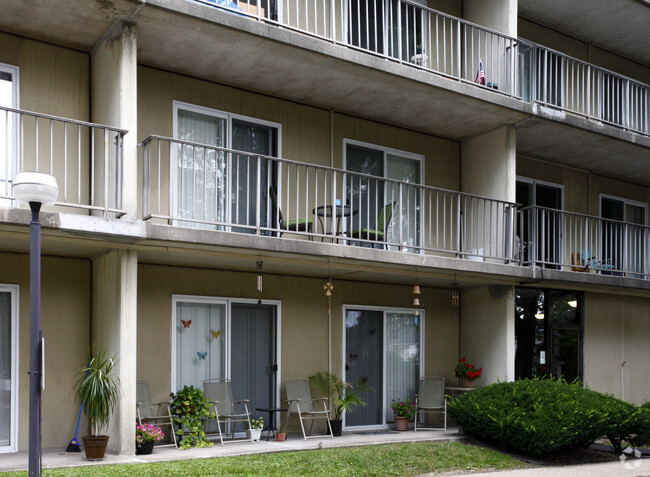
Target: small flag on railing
point(480, 76)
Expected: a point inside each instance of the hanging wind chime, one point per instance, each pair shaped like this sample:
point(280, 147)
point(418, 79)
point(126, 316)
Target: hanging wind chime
point(328, 287)
point(259, 264)
point(416, 299)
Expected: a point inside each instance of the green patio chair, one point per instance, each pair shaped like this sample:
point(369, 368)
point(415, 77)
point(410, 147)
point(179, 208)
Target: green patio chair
point(431, 399)
point(228, 412)
point(378, 234)
point(158, 414)
point(292, 225)
point(300, 402)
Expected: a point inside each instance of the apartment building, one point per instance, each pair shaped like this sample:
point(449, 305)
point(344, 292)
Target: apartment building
point(254, 189)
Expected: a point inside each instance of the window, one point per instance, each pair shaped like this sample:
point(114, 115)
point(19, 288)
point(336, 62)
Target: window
point(382, 347)
point(212, 187)
point(8, 368)
point(8, 129)
point(548, 334)
point(624, 237)
point(386, 26)
point(368, 194)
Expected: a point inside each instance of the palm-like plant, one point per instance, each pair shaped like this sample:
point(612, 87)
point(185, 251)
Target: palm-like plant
point(97, 389)
point(343, 395)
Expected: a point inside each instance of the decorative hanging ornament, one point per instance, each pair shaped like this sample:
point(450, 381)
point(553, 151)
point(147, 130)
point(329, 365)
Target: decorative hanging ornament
point(455, 298)
point(328, 287)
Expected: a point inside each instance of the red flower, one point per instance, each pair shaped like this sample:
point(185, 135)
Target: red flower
point(462, 360)
point(470, 374)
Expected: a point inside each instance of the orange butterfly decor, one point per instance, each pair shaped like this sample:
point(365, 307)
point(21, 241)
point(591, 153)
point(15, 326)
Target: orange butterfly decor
point(215, 334)
point(187, 323)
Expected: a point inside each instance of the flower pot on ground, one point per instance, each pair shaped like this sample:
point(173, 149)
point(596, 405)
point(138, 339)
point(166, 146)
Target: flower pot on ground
point(337, 427)
point(191, 410)
point(281, 436)
point(343, 396)
point(467, 373)
point(97, 388)
point(146, 436)
point(404, 412)
point(255, 431)
point(144, 448)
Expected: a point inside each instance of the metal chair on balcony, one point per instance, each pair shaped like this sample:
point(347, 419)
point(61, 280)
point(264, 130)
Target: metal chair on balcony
point(158, 413)
point(228, 412)
point(292, 225)
point(431, 399)
point(378, 234)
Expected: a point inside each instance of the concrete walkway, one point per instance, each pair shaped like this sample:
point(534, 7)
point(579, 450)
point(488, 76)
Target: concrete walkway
point(629, 468)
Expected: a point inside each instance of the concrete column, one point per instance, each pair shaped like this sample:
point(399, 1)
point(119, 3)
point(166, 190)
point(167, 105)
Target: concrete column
point(114, 103)
point(114, 327)
point(499, 15)
point(487, 331)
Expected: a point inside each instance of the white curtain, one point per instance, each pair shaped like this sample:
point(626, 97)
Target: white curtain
point(201, 172)
point(402, 358)
point(6, 364)
point(200, 343)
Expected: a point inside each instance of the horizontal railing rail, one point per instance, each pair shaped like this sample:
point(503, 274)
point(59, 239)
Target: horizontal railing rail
point(85, 158)
point(198, 185)
point(407, 32)
point(578, 242)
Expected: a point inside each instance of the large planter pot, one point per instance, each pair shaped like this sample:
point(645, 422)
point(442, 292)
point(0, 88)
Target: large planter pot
point(401, 423)
point(467, 383)
point(145, 448)
point(337, 427)
point(281, 436)
point(254, 434)
point(95, 447)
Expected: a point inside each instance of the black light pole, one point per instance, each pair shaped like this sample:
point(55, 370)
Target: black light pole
point(37, 189)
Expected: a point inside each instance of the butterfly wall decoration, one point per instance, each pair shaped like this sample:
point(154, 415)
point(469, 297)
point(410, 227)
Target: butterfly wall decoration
point(202, 355)
point(215, 334)
point(186, 324)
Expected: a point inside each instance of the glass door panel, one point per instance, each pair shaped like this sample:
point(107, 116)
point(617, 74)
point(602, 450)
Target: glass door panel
point(405, 223)
point(364, 344)
point(8, 131)
point(7, 377)
point(402, 358)
point(366, 194)
point(565, 358)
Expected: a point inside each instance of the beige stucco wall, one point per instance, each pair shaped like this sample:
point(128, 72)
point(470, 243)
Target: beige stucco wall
point(65, 322)
point(303, 320)
point(499, 15)
point(616, 337)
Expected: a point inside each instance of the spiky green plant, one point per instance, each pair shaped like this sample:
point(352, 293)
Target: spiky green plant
point(97, 389)
point(343, 395)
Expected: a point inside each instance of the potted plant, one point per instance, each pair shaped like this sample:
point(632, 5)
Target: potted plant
point(467, 373)
point(191, 410)
point(343, 395)
point(281, 435)
point(404, 412)
point(97, 390)
point(146, 435)
point(255, 431)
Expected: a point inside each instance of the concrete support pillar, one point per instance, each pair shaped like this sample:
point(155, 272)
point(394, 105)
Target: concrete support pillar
point(487, 331)
point(499, 15)
point(114, 103)
point(114, 327)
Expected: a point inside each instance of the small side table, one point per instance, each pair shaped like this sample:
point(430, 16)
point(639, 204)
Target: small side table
point(270, 428)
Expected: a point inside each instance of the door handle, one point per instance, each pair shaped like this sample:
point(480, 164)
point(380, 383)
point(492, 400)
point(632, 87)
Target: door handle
point(347, 367)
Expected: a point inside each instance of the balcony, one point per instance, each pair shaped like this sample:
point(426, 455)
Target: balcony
point(202, 186)
point(85, 158)
point(564, 240)
point(408, 33)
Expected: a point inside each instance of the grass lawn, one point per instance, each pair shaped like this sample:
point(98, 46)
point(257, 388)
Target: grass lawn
point(381, 460)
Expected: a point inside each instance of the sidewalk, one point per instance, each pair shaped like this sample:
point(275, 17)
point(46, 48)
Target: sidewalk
point(629, 468)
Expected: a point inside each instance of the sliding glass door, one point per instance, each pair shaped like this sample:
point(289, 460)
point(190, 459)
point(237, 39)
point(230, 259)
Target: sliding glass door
point(8, 368)
point(382, 348)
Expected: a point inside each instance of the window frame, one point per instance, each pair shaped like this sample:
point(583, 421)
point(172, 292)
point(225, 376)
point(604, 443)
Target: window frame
point(13, 290)
point(15, 104)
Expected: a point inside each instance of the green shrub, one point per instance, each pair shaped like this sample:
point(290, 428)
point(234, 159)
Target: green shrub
point(190, 410)
point(540, 416)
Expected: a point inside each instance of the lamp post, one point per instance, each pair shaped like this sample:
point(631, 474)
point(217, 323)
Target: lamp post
point(36, 189)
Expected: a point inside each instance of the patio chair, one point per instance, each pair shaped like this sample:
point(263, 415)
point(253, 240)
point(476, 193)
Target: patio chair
point(293, 225)
point(300, 402)
point(431, 399)
point(585, 261)
point(147, 412)
point(219, 393)
point(378, 234)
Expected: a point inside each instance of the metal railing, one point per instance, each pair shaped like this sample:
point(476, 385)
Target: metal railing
point(85, 158)
point(198, 185)
point(557, 80)
point(578, 242)
point(407, 32)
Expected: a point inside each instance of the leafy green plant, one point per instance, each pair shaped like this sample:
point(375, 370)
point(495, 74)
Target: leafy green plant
point(97, 389)
point(255, 423)
point(403, 408)
point(343, 395)
point(191, 410)
point(540, 416)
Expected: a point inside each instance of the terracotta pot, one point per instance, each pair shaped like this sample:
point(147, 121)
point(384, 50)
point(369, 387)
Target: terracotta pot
point(467, 383)
point(401, 423)
point(95, 447)
point(144, 448)
point(281, 436)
